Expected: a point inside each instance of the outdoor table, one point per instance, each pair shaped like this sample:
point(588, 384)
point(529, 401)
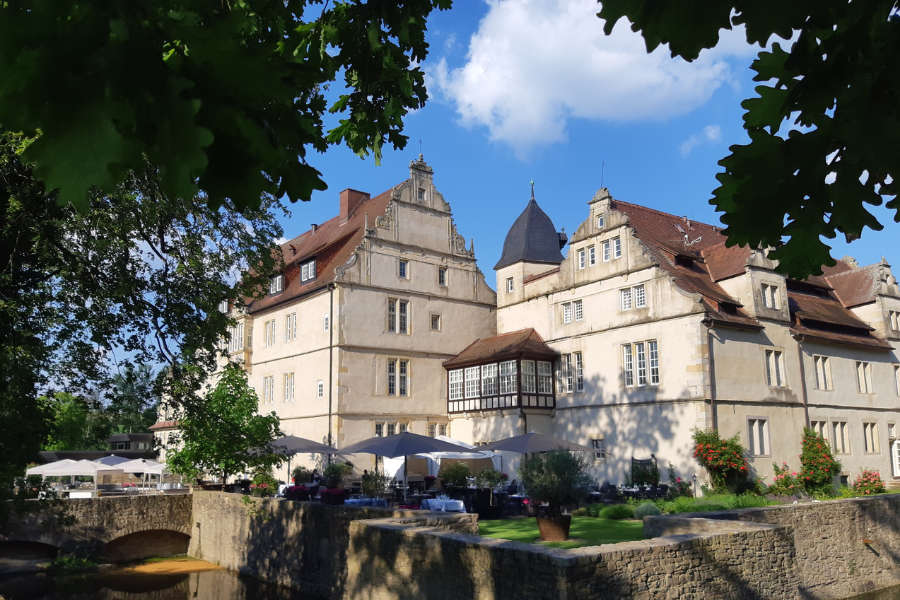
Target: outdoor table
point(381, 502)
point(444, 505)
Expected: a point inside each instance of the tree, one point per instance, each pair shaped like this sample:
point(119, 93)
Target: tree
point(557, 478)
point(225, 98)
point(133, 400)
point(77, 423)
point(223, 435)
point(824, 127)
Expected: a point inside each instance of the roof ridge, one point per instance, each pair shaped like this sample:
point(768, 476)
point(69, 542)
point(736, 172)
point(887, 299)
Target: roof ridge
point(660, 212)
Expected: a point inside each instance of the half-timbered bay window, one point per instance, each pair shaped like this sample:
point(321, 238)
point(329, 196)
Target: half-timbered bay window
point(544, 377)
point(640, 363)
point(489, 379)
point(456, 384)
point(473, 378)
point(508, 377)
point(529, 385)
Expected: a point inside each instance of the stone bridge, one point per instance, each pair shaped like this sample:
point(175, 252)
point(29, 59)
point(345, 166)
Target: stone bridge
point(114, 528)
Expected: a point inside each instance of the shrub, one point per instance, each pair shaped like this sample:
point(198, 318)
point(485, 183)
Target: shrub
point(581, 512)
point(678, 486)
point(373, 484)
point(489, 478)
point(617, 511)
point(646, 509)
point(645, 474)
point(455, 474)
point(594, 509)
point(868, 483)
point(723, 460)
point(301, 475)
point(263, 484)
point(335, 473)
point(786, 482)
point(819, 466)
point(557, 478)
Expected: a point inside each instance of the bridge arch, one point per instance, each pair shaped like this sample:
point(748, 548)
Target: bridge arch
point(144, 544)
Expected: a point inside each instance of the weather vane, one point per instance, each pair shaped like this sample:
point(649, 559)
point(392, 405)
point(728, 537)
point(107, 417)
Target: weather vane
point(532, 189)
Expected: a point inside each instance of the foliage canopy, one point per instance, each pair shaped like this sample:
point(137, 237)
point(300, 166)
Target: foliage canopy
point(824, 127)
point(556, 477)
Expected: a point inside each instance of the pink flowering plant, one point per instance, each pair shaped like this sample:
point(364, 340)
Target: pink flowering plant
point(868, 483)
point(786, 482)
point(263, 484)
point(723, 460)
point(819, 466)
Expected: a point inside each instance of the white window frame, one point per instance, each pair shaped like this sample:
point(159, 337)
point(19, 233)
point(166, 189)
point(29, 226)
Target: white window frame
point(529, 377)
point(617, 247)
point(566, 312)
point(601, 221)
point(398, 316)
point(489, 385)
point(510, 285)
point(276, 284)
point(290, 327)
point(392, 428)
point(578, 309)
point(379, 429)
point(774, 362)
point(582, 262)
point(544, 377)
point(472, 382)
point(444, 429)
point(403, 377)
point(508, 376)
point(625, 300)
point(431, 429)
point(864, 377)
point(592, 255)
point(288, 387)
point(269, 339)
point(455, 380)
point(269, 389)
point(628, 365)
point(572, 367)
point(236, 337)
point(640, 296)
point(640, 363)
point(223, 307)
point(897, 379)
point(307, 270)
point(871, 443)
point(606, 250)
point(758, 436)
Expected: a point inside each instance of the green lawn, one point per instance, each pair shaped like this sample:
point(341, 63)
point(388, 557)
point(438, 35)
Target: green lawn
point(585, 531)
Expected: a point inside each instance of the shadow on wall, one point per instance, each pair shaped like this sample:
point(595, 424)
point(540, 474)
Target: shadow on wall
point(146, 544)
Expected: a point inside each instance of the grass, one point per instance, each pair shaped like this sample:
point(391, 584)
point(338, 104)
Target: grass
point(713, 502)
point(585, 531)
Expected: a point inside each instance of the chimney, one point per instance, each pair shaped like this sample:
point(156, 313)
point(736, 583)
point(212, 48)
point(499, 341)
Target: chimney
point(350, 201)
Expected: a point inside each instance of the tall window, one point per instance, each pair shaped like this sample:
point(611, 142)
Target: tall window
point(617, 247)
point(223, 306)
point(443, 429)
point(625, 296)
point(288, 384)
point(392, 377)
point(236, 337)
point(600, 221)
point(870, 437)
point(435, 322)
point(864, 377)
point(432, 429)
point(775, 368)
point(442, 276)
point(421, 195)
point(473, 377)
point(403, 268)
point(379, 429)
point(456, 384)
point(489, 379)
point(573, 311)
point(572, 372)
point(392, 429)
point(397, 377)
point(592, 255)
point(269, 388)
point(290, 327)
point(823, 373)
point(508, 377)
point(276, 284)
point(398, 316)
point(640, 297)
point(581, 258)
point(894, 318)
point(325, 323)
point(320, 389)
point(270, 333)
point(529, 385)
point(840, 440)
point(606, 250)
point(770, 295)
point(897, 378)
point(640, 363)
point(758, 436)
point(308, 271)
point(567, 312)
point(509, 285)
point(821, 428)
point(544, 377)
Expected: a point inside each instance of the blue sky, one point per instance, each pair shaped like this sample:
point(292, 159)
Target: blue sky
point(532, 90)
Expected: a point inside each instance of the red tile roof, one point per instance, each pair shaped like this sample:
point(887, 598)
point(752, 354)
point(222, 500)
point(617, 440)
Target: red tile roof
point(163, 425)
point(853, 286)
point(525, 343)
point(332, 243)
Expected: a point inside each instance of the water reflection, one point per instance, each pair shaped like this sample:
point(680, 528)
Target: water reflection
point(206, 585)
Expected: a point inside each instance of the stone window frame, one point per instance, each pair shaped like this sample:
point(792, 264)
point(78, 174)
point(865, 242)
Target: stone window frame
point(765, 441)
point(510, 285)
point(871, 441)
point(582, 258)
point(435, 320)
point(826, 384)
point(403, 268)
point(778, 362)
point(864, 377)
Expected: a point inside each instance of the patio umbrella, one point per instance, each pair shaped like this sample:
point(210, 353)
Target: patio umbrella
point(142, 465)
point(48, 468)
point(290, 445)
point(402, 444)
point(533, 442)
point(112, 460)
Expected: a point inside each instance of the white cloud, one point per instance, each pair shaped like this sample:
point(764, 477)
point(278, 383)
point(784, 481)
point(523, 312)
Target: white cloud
point(709, 134)
point(533, 65)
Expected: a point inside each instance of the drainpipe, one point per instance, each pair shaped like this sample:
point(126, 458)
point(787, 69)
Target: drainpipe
point(714, 410)
point(330, 358)
point(803, 380)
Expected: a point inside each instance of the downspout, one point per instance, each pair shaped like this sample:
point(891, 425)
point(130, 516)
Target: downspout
point(330, 358)
point(803, 381)
point(713, 408)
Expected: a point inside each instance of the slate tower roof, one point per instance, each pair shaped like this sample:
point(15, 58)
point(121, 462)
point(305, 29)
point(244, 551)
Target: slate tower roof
point(532, 238)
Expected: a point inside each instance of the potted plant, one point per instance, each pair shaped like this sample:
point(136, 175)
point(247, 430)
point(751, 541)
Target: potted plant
point(334, 474)
point(373, 484)
point(301, 475)
point(557, 478)
point(263, 485)
point(455, 475)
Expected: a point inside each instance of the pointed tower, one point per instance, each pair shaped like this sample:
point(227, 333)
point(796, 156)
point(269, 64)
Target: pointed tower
point(532, 246)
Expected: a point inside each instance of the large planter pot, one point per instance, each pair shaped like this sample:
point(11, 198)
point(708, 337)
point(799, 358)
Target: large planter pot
point(333, 496)
point(554, 528)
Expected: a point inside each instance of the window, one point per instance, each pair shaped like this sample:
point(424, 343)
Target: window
point(431, 430)
point(442, 276)
point(581, 260)
point(435, 322)
point(288, 383)
point(599, 446)
point(573, 372)
point(529, 385)
point(270, 333)
point(617, 247)
point(892, 431)
point(640, 363)
point(403, 269)
point(379, 429)
point(625, 296)
point(397, 377)
point(320, 389)
point(770, 296)
point(276, 284)
point(894, 318)
point(403, 427)
point(821, 428)
point(606, 254)
point(456, 384)
point(473, 377)
point(392, 429)
point(633, 297)
point(421, 195)
point(269, 388)
point(223, 306)
point(443, 429)
point(592, 255)
point(290, 327)
point(509, 285)
point(489, 379)
point(508, 377)
point(308, 271)
point(897, 378)
point(775, 368)
point(840, 441)
point(870, 438)
point(758, 436)
point(600, 221)
point(236, 337)
point(325, 323)
point(640, 297)
point(573, 310)
point(864, 377)
point(398, 316)
point(823, 373)
point(544, 377)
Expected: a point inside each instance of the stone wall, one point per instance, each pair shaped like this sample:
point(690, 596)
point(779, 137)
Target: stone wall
point(843, 547)
point(297, 544)
point(388, 560)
